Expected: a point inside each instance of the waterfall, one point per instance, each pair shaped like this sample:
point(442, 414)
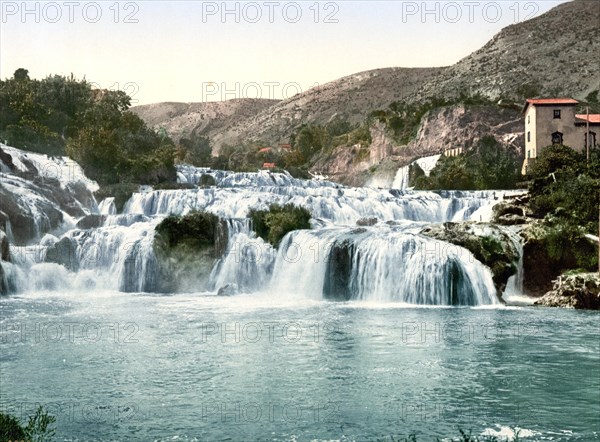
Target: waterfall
point(514, 286)
point(335, 260)
point(247, 260)
point(402, 176)
point(384, 264)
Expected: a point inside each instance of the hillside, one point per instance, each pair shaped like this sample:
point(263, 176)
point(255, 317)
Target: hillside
point(210, 118)
point(556, 53)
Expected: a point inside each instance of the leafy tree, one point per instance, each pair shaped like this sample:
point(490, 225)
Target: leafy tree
point(555, 159)
point(566, 186)
point(59, 115)
point(198, 150)
point(488, 166)
point(21, 74)
point(273, 224)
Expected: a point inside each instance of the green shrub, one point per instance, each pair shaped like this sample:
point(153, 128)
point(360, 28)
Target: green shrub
point(10, 428)
point(273, 224)
point(38, 429)
point(559, 176)
point(487, 166)
point(196, 229)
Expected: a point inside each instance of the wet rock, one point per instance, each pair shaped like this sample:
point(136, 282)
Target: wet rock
point(578, 291)
point(541, 265)
point(511, 220)
point(92, 221)
point(64, 252)
point(4, 247)
point(367, 221)
point(228, 290)
point(339, 268)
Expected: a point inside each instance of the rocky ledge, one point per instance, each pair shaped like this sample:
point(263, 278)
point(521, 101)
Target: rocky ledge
point(579, 291)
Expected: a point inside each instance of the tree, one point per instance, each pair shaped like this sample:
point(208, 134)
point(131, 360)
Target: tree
point(555, 159)
point(198, 150)
point(21, 74)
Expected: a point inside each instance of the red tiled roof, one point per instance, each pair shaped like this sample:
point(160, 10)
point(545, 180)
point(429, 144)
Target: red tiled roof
point(268, 165)
point(552, 101)
point(265, 149)
point(594, 118)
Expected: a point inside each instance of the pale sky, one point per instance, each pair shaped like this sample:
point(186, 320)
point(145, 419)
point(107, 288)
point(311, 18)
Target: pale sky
point(205, 51)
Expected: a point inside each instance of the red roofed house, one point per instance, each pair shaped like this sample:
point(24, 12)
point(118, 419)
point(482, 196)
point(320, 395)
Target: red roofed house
point(268, 166)
point(265, 150)
point(553, 121)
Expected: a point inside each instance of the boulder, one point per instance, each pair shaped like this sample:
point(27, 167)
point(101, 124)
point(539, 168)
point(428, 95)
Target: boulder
point(91, 221)
point(64, 252)
point(578, 291)
point(367, 221)
point(228, 290)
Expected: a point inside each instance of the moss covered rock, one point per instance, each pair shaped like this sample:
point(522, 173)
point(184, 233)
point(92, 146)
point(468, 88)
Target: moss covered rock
point(551, 249)
point(273, 224)
point(186, 248)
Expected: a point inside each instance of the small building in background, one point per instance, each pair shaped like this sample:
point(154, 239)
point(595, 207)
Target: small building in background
point(453, 152)
point(268, 166)
point(551, 121)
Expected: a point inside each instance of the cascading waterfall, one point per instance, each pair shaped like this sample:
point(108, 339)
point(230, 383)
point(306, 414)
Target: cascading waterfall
point(386, 262)
point(514, 286)
point(425, 163)
point(247, 261)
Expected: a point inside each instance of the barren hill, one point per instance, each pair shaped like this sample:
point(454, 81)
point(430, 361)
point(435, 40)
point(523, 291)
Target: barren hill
point(210, 118)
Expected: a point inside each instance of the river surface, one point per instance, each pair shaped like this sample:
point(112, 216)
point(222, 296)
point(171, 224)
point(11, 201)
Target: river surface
point(123, 366)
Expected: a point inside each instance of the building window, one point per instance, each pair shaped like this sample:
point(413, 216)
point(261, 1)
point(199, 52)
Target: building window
point(528, 119)
point(528, 154)
point(591, 139)
point(556, 113)
point(557, 138)
point(528, 136)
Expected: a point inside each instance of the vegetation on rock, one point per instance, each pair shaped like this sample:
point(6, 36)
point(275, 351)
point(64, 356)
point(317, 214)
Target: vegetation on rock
point(273, 224)
point(488, 243)
point(59, 115)
point(39, 427)
point(488, 166)
point(185, 248)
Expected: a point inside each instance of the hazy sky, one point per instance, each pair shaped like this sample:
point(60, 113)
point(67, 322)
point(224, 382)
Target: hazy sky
point(205, 51)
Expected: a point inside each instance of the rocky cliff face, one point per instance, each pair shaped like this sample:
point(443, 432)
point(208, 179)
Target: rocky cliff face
point(441, 129)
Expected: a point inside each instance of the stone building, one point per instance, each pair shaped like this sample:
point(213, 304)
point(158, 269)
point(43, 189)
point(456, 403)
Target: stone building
point(551, 121)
